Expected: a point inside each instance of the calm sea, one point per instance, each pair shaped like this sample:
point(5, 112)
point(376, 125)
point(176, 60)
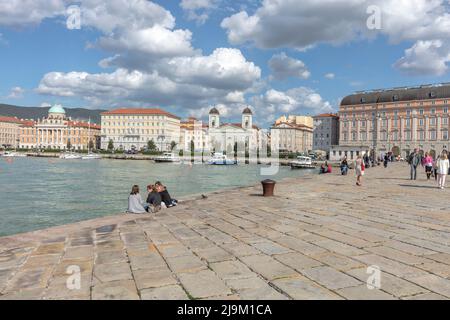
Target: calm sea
point(37, 193)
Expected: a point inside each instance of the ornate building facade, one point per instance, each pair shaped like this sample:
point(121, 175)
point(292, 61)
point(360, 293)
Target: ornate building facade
point(225, 136)
point(194, 132)
point(59, 132)
point(397, 120)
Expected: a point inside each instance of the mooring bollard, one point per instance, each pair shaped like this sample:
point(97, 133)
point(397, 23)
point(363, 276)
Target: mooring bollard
point(268, 187)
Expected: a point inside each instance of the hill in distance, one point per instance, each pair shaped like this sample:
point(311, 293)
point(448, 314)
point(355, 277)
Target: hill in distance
point(78, 114)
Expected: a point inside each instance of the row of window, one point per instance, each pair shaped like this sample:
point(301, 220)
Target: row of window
point(409, 104)
point(395, 122)
point(421, 135)
point(133, 124)
point(133, 131)
point(133, 117)
point(408, 112)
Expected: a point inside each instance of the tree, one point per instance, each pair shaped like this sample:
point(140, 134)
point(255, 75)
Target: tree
point(69, 145)
point(110, 145)
point(173, 144)
point(151, 146)
point(91, 145)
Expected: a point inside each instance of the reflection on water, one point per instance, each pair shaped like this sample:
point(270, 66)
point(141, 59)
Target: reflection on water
point(37, 193)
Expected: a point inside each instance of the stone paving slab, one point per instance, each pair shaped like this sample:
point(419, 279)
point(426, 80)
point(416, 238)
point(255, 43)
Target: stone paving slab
point(314, 240)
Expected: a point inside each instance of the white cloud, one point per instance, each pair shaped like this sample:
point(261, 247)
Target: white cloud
point(45, 105)
point(19, 13)
point(289, 24)
point(221, 77)
point(284, 67)
point(330, 76)
point(16, 93)
point(198, 10)
point(298, 101)
point(426, 58)
point(285, 23)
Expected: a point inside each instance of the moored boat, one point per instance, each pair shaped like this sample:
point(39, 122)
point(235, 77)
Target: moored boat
point(219, 159)
point(91, 156)
point(9, 154)
point(167, 157)
point(70, 156)
point(302, 163)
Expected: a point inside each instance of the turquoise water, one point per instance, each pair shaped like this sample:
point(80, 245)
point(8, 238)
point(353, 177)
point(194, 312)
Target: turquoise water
point(37, 193)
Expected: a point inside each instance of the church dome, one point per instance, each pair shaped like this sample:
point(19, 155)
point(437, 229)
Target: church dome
point(57, 109)
point(214, 111)
point(247, 111)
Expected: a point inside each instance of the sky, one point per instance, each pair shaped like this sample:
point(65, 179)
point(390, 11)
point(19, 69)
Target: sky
point(276, 56)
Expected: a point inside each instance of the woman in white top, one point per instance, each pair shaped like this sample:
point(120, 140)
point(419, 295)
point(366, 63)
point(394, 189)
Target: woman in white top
point(443, 166)
point(135, 203)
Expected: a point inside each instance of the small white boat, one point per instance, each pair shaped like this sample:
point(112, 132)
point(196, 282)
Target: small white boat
point(167, 157)
point(302, 163)
point(91, 156)
point(70, 156)
point(219, 159)
point(9, 154)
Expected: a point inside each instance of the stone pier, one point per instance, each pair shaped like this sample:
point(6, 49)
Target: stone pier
point(321, 237)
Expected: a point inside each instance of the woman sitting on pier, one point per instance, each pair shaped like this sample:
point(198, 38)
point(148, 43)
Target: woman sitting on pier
point(153, 199)
point(165, 196)
point(135, 203)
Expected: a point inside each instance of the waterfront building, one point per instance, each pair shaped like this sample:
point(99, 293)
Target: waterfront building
point(326, 132)
point(196, 132)
point(59, 132)
point(292, 134)
point(132, 129)
point(226, 136)
point(397, 120)
point(298, 120)
point(9, 132)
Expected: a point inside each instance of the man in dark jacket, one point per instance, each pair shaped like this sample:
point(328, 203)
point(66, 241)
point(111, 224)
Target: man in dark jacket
point(414, 160)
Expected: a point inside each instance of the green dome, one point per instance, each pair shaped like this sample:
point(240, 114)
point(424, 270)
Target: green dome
point(57, 109)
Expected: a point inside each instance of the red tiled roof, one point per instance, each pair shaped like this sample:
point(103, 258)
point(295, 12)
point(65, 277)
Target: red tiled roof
point(140, 111)
point(28, 123)
point(298, 126)
point(83, 125)
point(10, 119)
point(326, 115)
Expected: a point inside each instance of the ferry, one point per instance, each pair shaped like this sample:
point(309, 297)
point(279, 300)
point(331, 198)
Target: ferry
point(167, 157)
point(302, 163)
point(219, 159)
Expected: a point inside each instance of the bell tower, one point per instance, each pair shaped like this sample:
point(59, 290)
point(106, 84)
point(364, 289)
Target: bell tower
point(247, 118)
point(214, 118)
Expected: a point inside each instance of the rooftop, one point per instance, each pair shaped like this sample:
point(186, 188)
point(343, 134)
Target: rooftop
point(139, 111)
point(399, 94)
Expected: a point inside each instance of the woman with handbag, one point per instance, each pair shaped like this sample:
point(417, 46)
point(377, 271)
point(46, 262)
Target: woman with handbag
point(359, 170)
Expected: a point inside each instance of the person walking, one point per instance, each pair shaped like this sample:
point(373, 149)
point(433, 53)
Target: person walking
point(359, 170)
point(427, 162)
point(443, 168)
point(414, 160)
point(386, 160)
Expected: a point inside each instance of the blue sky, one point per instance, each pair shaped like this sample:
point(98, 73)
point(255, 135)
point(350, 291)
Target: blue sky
point(42, 62)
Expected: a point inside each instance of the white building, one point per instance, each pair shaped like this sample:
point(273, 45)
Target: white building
point(196, 132)
point(224, 137)
point(130, 129)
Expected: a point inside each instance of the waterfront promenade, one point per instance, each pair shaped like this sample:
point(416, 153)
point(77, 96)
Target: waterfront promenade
point(314, 240)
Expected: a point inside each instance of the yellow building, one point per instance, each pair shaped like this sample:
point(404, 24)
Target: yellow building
point(298, 120)
point(9, 132)
point(292, 134)
point(58, 132)
point(132, 129)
